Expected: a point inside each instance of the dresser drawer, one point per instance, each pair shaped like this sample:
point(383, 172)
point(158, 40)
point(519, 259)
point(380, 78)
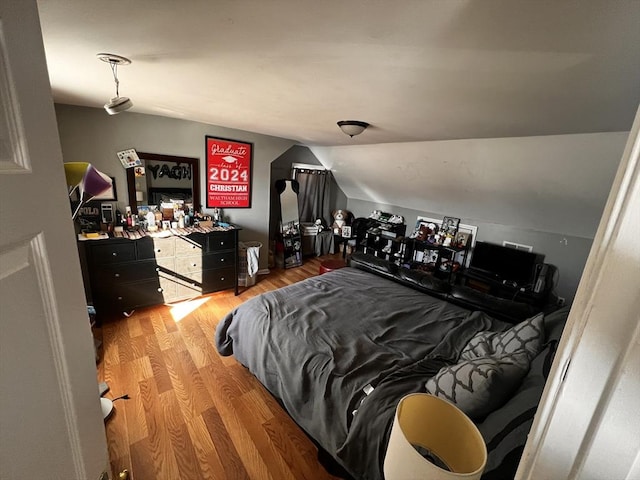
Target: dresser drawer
point(222, 241)
point(131, 272)
point(189, 264)
point(185, 291)
point(220, 260)
point(125, 297)
point(200, 262)
point(151, 247)
point(218, 279)
point(191, 245)
point(112, 253)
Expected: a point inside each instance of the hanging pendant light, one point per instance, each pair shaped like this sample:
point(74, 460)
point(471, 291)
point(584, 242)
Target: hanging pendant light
point(117, 104)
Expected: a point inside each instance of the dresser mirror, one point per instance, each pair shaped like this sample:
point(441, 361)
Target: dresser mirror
point(162, 178)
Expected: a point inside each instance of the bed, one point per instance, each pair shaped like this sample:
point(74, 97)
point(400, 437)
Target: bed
point(339, 351)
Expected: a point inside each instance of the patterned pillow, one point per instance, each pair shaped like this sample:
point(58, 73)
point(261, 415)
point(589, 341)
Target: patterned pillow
point(525, 336)
point(478, 386)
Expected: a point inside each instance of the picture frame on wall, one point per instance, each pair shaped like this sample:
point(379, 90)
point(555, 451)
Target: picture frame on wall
point(462, 239)
point(229, 167)
point(449, 225)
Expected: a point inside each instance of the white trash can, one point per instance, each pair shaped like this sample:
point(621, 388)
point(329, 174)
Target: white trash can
point(248, 260)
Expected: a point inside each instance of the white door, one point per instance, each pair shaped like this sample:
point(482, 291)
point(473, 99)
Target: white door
point(588, 423)
point(50, 420)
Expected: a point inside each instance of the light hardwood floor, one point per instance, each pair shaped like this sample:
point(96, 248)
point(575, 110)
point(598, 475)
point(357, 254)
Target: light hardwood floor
point(193, 414)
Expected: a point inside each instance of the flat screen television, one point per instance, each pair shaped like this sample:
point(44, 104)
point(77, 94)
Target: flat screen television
point(504, 263)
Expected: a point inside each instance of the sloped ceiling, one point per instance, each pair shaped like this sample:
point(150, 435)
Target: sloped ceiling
point(551, 183)
point(432, 77)
point(415, 70)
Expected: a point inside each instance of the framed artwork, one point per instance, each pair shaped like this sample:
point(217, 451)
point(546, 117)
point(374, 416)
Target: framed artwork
point(346, 231)
point(129, 158)
point(229, 173)
point(450, 225)
point(462, 239)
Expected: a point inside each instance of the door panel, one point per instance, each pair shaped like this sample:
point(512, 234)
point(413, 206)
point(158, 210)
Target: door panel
point(50, 420)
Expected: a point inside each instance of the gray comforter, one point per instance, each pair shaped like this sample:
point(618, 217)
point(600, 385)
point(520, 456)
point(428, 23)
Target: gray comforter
point(316, 344)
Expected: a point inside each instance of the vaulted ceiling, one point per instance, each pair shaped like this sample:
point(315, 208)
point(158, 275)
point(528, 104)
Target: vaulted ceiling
point(415, 70)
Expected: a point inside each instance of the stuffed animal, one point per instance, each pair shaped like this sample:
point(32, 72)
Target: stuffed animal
point(340, 219)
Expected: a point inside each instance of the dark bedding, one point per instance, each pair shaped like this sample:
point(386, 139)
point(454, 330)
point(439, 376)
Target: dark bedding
point(318, 343)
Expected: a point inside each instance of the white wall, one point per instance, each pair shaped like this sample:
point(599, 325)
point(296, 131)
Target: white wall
point(553, 184)
point(91, 135)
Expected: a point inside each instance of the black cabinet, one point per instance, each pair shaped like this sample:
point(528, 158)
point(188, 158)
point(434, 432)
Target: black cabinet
point(124, 274)
point(383, 239)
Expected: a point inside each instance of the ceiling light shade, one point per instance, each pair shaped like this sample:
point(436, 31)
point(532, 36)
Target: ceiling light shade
point(117, 104)
point(352, 127)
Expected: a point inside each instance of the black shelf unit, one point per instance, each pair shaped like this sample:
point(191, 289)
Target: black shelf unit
point(444, 262)
point(384, 240)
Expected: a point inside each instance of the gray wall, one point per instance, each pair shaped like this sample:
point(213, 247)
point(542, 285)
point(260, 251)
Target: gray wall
point(90, 135)
point(568, 253)
point(556, 183)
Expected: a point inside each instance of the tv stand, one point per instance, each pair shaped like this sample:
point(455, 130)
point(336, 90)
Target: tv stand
point(494, 286)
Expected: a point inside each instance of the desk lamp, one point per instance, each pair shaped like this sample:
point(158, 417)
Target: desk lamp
point(450, 446)
point(87, 179)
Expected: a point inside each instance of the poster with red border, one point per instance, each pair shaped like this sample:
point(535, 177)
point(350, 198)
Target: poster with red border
point(229, 169)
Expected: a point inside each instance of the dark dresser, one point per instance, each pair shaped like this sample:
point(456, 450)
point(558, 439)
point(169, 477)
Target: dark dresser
point(123, 274)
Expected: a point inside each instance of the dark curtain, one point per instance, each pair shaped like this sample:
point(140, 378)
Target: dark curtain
point(314, 196)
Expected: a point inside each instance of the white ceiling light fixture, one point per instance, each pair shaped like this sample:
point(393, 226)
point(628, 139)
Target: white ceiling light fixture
point(117, 104)
point(352, 127)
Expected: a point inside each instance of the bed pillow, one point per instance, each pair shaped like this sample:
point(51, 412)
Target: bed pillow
point(480, 385)
point(506, 429)
point(527, 336)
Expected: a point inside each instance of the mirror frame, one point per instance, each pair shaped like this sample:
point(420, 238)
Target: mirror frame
point(156, 157)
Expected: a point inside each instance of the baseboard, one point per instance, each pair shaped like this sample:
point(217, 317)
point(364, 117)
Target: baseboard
point(263, 271)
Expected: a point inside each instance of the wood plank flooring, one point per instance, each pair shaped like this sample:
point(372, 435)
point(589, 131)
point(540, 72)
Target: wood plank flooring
point(193, 414)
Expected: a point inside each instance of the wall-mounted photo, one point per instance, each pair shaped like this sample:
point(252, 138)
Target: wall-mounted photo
point(229, 170)
point(450, 225)
point(462, 239)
